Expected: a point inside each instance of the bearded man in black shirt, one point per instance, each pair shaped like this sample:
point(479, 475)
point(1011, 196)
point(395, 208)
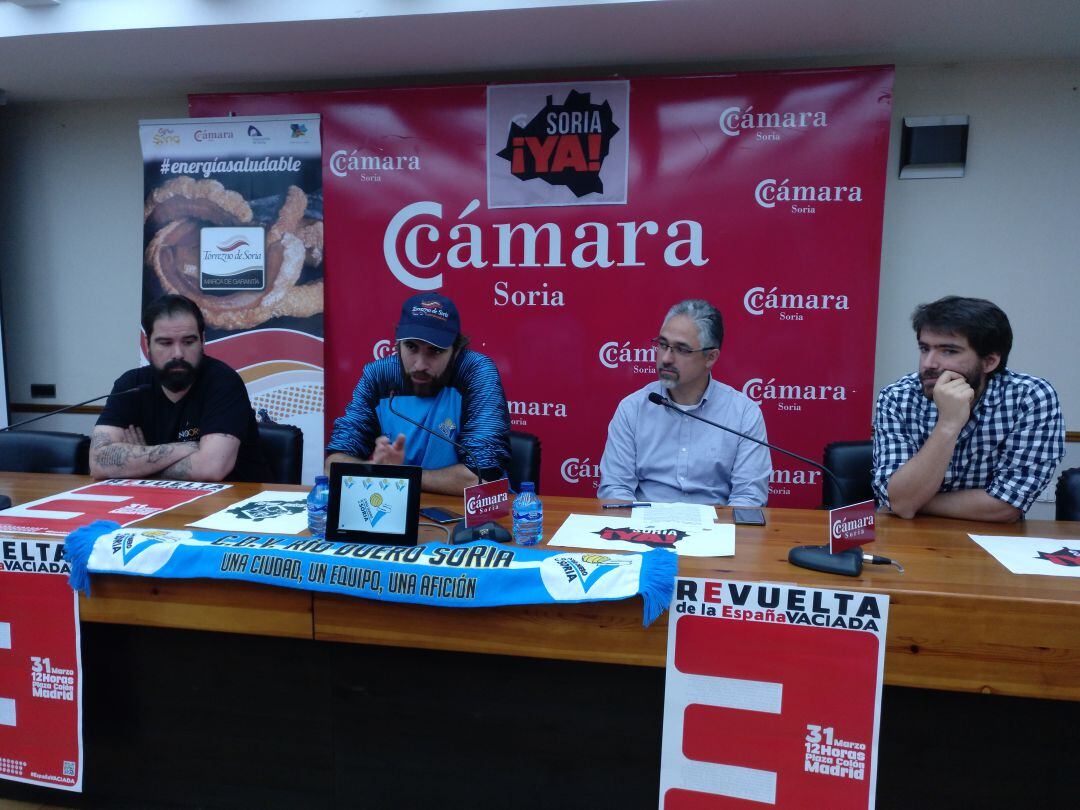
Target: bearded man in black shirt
point(190, 418)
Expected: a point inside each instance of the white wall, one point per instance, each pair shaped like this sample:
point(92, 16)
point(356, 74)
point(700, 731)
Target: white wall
point(71, 216)
point(71, 243)
point(1008, 231)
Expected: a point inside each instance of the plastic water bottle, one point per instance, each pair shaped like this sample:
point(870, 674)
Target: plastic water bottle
point(316, 506)
point(528, 516)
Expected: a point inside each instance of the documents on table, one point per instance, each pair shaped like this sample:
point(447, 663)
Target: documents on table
point(694, 514)
point(1051, 557)
point(265, 513)
point(614, 533)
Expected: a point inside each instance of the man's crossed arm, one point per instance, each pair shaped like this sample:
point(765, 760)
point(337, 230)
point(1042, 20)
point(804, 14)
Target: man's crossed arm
point(123, 453)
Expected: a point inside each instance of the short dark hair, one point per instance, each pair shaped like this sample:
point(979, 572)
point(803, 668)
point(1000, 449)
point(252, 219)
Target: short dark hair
point(706, 317)
point(983, 323)
point(168, 305)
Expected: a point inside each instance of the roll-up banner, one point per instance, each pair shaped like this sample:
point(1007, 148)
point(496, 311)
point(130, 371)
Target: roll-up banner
point(565, 219)
point(233, 219)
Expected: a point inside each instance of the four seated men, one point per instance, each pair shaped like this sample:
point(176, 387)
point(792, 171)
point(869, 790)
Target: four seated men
point(964, 436)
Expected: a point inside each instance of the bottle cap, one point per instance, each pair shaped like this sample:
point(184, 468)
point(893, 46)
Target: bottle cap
point(322, 479)
point(527, 486)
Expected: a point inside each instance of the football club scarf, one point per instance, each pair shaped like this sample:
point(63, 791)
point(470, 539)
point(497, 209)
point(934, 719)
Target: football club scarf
point(478, 574)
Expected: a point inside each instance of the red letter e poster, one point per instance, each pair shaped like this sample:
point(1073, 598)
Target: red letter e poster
point(773, 696)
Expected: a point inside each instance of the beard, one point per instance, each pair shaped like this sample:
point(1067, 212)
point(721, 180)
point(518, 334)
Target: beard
point(428, 386)
point(974, 377)
point(670, 379)
point(176, 375)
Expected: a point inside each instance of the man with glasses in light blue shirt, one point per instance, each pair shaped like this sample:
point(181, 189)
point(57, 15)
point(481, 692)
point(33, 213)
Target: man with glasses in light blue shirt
point(657, 454)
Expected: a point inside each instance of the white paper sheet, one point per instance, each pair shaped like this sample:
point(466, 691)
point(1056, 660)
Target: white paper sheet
point(695, 514)
point(622, 534)
point(1051, 557)
point(265, 513)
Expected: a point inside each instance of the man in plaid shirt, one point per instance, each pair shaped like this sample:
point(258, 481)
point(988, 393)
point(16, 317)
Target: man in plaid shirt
point(965, 437)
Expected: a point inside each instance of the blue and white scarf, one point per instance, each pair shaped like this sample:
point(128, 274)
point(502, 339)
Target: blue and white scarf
point(478, 574)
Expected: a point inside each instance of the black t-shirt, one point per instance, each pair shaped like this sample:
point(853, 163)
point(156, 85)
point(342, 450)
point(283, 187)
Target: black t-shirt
point(217, 402)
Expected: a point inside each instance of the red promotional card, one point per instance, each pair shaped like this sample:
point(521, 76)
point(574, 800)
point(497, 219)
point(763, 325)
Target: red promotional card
point(40, 668)
point(773, 696)
point(851, 526)
point(125, 501)
point(485, 502)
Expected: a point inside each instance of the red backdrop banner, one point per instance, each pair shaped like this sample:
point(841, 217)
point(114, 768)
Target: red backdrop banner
point(565, 218)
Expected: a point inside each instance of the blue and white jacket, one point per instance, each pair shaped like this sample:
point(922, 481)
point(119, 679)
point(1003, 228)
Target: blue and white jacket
point(470, 410)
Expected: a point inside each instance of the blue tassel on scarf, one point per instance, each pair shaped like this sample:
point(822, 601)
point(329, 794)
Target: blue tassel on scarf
point(77, 548)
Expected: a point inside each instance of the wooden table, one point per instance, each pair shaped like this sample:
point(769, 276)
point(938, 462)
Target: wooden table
point(958, 619)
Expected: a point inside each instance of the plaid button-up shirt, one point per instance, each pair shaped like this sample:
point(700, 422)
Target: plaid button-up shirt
point(1010, 446)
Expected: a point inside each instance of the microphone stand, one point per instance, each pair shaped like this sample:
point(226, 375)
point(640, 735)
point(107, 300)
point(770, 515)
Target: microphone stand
point(67, 408)
point(461, 533)
point(817, 558)
point(662, 400)
point(469, 462)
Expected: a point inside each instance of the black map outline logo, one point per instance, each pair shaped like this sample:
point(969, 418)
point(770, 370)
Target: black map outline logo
point(572, 158)
point(257, 511)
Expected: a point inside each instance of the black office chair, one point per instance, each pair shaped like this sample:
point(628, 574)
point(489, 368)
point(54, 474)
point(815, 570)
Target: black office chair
point(1067, 495)
point(852, 463)
point(283, 448)
point(524, 459)
point(44, 451)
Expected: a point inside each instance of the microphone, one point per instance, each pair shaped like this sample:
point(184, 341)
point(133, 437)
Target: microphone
point(657, 399)
point(66, 408)
point(469, 462)
point(462, 533)
point(816, 558)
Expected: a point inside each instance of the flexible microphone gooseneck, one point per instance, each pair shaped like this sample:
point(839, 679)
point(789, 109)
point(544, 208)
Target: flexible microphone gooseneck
point(462, 533)
point(657, 399)
point(816, 558)
point(66, 408)
point(470, 462)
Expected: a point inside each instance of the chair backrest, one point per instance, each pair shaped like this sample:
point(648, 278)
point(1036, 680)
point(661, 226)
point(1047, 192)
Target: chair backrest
point(283, 448)
point(44, 451)
point(1068, 495)
point(851, 463)
point(524, 459)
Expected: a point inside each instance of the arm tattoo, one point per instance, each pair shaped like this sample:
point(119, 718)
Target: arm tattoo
point(112, 455)
point(180, 471)
point(99, 438)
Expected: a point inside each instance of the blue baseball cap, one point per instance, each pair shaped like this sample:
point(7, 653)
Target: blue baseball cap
point(429, 317)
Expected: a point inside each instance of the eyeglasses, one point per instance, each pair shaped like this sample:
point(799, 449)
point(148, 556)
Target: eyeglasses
point(662, 346)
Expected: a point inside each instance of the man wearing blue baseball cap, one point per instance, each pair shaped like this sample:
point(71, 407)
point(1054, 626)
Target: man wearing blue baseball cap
point(436, 380)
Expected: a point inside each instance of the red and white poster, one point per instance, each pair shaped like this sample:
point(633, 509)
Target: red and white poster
point(40, 666)
point(565, 219)
point(119, 499)
point(772, 697)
